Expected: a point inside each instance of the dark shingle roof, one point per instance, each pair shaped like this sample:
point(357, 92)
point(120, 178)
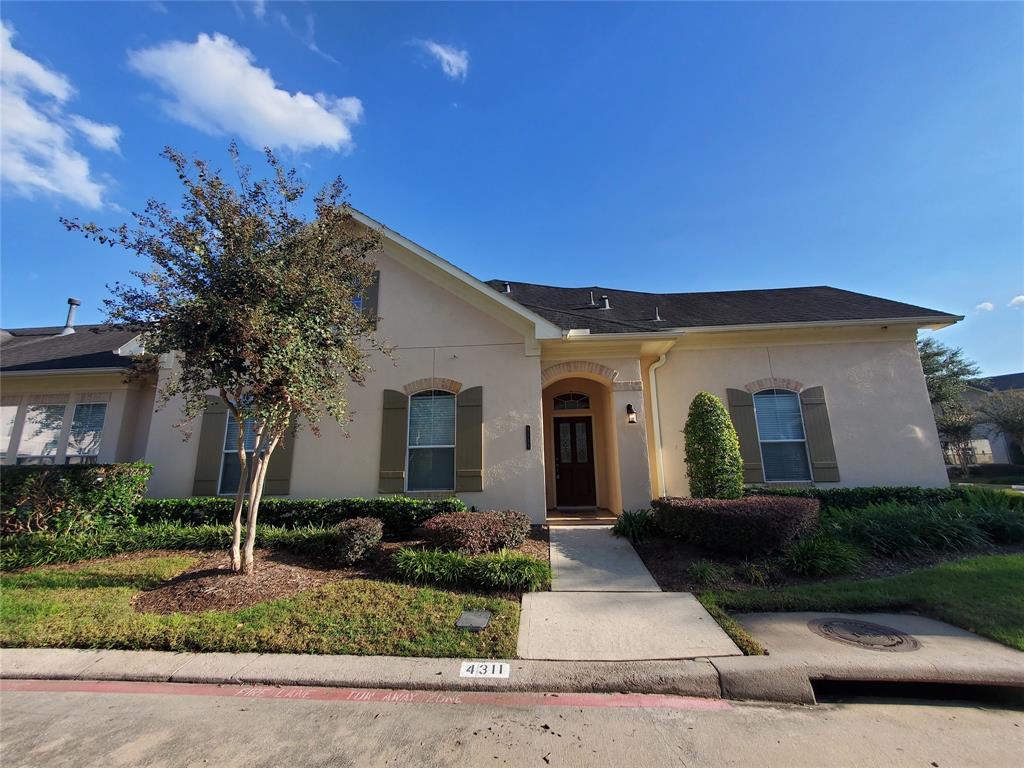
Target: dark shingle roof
point(1000, 383)
point(633, 312)
point(41, 349)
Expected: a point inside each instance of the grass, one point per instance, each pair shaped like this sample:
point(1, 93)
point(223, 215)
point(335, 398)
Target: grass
point(90, 607)
point(981, 594)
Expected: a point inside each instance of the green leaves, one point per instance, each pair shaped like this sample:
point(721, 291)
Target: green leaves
point(713, 459)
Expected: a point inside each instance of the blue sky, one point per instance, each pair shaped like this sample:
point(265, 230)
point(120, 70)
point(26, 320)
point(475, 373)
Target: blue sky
point(686, 147)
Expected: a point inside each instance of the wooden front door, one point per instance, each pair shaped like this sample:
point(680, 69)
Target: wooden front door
point(575, 485)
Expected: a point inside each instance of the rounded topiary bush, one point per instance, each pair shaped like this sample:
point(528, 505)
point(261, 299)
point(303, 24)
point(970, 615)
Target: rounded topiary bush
point(358, 538)
point(473, 533)
point(713, 460)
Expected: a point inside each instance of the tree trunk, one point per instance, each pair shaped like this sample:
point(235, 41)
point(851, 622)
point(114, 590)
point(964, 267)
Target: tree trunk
point(255, 496)
point(236, 519)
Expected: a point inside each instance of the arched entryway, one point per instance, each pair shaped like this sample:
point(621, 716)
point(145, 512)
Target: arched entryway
point(580, 449)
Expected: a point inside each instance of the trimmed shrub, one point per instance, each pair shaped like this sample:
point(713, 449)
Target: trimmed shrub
point(70, 499)
point(473, 533)
point(853, 498)
point(634, 524)
point(358, 538)
point(399, 514)
point(713, 460)
point(707, 573)
point(499, 571)
point(743, 527)
point(821, 555)
point(31, 549)
point(904, 530)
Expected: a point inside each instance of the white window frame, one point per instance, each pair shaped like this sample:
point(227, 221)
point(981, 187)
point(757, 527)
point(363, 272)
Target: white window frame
point(70, 401)
point(410, 448)
point(803, 428)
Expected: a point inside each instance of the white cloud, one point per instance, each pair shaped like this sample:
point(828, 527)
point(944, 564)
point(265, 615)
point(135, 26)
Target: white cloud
point(215, 87)
point(1016, 301)
point(985, 306)
point(454, 61)
point(259, 8)
point(100, 135)
point(37, 151)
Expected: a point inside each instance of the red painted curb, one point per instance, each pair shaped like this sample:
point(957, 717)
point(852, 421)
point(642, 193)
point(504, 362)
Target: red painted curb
point(371, 695)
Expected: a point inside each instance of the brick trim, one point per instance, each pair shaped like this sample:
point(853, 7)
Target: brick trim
point(433, 382)
point(562, 370)
point(774, 382)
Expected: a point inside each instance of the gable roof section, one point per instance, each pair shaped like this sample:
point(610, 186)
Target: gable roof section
point(634, 312)
point(463, 284)
point(90, 347)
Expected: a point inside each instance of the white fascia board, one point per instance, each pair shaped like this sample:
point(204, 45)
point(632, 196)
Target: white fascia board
point(543, 329)
point(61, 372)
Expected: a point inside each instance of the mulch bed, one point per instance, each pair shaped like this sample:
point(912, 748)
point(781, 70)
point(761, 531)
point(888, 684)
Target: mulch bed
point(211, 586)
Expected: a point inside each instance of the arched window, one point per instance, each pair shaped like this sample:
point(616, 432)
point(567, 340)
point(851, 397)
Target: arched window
point(431, 441)
point(780, 430)
point(572, 401)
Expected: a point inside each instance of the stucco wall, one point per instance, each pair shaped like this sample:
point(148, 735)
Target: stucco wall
point(882, 424)
point(436, 335)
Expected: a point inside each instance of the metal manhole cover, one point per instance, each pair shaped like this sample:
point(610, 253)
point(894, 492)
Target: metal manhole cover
point(864, 634)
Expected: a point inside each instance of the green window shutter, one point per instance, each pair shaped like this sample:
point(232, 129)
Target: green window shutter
point(279, 473)
point(469, 440)
point(211, 448)
point(824, 468)
point(393, 432)
point(370, 298)
point(741, 411)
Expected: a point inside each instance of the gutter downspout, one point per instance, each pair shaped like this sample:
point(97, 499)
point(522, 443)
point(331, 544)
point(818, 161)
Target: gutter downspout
point(659, 465)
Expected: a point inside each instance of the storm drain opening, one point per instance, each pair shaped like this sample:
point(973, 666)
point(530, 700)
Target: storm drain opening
point(861, 691)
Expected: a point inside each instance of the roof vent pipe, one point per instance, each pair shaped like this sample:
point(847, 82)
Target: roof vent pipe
point(605, 304)
point(657, 316)
point(69, 325)
point(592, 302)
point(508, 287)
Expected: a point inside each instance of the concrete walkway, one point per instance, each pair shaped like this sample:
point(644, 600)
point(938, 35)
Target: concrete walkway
point(590, 558)
point(604, 605)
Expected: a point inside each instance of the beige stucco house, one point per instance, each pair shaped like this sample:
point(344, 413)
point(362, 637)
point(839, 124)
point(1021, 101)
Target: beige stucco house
point(553, 401)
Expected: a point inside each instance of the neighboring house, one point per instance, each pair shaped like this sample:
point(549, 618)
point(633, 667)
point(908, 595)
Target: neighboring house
point(515, 395)
point(989, 445)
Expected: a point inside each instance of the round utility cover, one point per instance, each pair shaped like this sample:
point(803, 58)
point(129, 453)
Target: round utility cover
point(864, 634)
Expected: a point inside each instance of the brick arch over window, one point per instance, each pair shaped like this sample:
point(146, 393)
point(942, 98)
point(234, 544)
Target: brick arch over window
point(433, 382)
point(583, 368)
point(773, 382)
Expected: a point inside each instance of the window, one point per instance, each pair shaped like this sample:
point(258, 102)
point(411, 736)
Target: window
point(780, 429)
point(40, 435)
point(572, 401)
point(231, 467)
point(431, 441)
point(86, 432)
point(357, 302)
point(8, 413)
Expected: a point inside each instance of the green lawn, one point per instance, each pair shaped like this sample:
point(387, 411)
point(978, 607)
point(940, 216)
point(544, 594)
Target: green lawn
point(981, 594)
point(90, 607)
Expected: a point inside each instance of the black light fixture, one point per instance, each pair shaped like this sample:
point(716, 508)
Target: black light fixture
point(630, 413)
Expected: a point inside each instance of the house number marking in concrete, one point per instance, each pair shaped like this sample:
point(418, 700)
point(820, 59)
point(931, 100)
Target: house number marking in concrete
point(484, 669)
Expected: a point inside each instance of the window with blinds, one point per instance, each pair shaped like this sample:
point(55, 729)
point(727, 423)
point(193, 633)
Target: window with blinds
point(780, 430)
point(431, 441)
point(40, 435)
point(86, 433)
point(8, 413)
point(231, 466)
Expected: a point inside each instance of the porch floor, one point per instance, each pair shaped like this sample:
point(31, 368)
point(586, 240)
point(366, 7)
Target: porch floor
point(580, 516)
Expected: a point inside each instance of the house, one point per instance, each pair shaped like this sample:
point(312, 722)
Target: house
point(989, 445)
point(516, 395)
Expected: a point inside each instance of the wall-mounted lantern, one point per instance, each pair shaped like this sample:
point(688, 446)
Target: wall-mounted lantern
point(630, 413)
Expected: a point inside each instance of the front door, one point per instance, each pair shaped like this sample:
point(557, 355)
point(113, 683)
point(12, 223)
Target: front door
point(574, 462)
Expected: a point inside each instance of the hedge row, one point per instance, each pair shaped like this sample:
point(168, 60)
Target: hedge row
point(399, 514)
point(70, 498)
point(746, 527)
point(854, 498)
point(348, 542)
point(473, 533)
point(502, 571)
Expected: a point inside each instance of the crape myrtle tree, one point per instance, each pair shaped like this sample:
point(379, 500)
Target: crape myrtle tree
point(1005, 412)
point(251, 300)
point(955, 422)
